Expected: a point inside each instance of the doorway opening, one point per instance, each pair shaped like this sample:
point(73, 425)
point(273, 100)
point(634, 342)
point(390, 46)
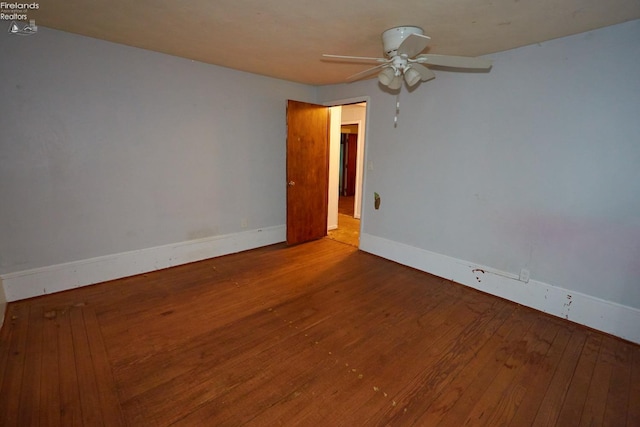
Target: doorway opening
point(313, 180)
point(346, 172)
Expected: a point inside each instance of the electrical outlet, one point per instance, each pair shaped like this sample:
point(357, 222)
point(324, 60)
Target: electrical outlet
point(244, 223)
point(524, 275)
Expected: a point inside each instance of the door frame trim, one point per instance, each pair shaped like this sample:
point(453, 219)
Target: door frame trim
point(365, 152)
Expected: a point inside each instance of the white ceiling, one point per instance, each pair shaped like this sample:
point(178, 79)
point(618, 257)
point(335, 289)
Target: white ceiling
point(286, 38)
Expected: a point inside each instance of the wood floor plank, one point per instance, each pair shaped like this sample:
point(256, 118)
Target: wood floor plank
point(577, 394)
point(510, 396)
point(364, 363)
point(444, 363)
point(314, 334)
point(556, 392)
point(596, 400)
point(633, 405)
point(492, 353)
point(87, 381)
point(14, 372)
point(379, 382)
point(616, 408)
point(261, 390)
point(30, 392)
point(50, 374)
point(5, 340)
point(70, 412)
point(498, 389)
point(107, 389)
point(536, 389)
point(463, 400)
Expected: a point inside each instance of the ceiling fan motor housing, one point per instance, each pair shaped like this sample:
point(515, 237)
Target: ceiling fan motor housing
point(392, 38)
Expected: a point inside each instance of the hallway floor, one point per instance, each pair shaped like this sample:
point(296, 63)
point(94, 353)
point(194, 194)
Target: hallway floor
point(348, 230)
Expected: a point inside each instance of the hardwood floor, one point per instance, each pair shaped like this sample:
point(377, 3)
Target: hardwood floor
point(348, 230)
point(346, 205)
point(309, 335)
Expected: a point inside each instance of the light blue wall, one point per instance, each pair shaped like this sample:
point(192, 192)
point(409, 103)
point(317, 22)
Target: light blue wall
point(107, 148)
point(534, 165)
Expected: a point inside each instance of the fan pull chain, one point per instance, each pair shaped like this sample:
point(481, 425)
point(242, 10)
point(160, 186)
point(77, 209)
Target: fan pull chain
point(395, 119)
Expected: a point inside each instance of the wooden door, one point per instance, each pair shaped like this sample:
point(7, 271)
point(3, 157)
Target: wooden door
point(350, 160)
point(307, 171)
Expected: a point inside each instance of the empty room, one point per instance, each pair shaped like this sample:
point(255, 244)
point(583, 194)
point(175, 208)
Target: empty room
point(172, 174)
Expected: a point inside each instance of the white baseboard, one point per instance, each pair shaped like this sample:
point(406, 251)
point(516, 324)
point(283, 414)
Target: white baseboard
point(61, 277)
point(615, 319)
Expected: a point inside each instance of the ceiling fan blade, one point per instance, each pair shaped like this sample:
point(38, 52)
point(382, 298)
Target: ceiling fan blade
point(413, 45)
point(425, 73)
point(354, 58)
point(454, 61)
point(365, 73)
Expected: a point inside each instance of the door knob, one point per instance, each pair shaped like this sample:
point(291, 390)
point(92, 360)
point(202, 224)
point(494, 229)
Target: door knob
point(291, 183)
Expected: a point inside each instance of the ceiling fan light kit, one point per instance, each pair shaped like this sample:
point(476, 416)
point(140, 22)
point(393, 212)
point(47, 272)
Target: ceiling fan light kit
point(396, 83)
point(402, 47)
point(411, 76)
point(386, 76)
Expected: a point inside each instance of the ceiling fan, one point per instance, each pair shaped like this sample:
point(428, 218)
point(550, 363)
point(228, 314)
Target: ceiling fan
point(402, 47)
